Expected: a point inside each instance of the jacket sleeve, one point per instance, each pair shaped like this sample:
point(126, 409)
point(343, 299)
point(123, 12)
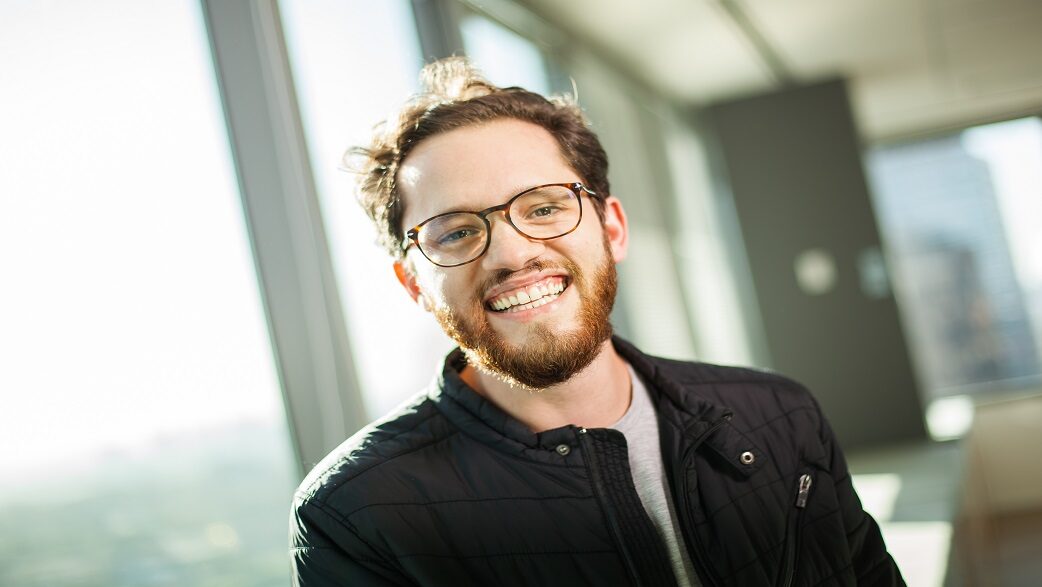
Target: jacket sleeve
point(873, 565)
point(325, 550)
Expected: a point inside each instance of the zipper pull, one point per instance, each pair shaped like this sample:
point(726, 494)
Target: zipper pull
point(801, 497)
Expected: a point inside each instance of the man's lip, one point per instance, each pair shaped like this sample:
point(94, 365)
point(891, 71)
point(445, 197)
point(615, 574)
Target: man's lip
point(523, 281)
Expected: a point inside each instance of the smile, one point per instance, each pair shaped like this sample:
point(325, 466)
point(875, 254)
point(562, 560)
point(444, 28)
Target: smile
point(529, 297)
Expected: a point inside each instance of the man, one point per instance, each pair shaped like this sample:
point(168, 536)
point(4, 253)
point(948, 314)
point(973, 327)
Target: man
point(549, 452)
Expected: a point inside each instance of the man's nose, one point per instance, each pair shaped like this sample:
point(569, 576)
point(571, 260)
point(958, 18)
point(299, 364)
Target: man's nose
point(508, 248)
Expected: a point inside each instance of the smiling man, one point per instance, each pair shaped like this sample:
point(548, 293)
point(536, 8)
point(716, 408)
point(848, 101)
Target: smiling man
point(549, 452)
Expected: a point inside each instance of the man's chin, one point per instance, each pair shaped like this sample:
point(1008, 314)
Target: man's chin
point(543, 358)
point(518, 336)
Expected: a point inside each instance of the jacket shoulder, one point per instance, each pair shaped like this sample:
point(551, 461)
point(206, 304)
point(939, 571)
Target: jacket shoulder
point(709, 379)
point(708, 374)
point(371, 453)
point(767, 409)
point(759, 395)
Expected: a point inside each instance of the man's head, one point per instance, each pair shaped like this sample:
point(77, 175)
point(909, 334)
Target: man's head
point(465, 145)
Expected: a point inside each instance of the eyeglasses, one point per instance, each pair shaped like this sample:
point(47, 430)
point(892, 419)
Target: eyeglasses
point(543, 212)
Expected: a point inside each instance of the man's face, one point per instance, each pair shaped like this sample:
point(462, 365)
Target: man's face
point(535, 344)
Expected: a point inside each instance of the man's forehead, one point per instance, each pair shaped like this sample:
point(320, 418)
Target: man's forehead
point(467, 198)
point(429, 191)
point(475, 167)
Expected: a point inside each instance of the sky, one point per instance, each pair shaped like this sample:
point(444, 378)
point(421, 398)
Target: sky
point(1013, 152)
point(129, 307)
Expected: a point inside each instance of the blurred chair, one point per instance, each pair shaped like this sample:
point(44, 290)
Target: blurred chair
point(999, 531)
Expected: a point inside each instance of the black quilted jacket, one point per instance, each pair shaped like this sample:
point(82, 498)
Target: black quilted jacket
point(452, 491)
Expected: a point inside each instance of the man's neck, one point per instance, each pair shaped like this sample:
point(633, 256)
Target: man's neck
point(596, 397)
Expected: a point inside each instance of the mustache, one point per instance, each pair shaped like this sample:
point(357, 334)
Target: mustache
point(534, 266)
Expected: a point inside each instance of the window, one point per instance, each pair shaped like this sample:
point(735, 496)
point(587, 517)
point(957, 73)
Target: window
point(959, 214)
point(354, 63)
point(144, 436)
point(503, 56)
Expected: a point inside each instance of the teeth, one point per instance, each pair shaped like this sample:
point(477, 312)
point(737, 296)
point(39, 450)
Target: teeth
point(533, 297)
point(540, 302)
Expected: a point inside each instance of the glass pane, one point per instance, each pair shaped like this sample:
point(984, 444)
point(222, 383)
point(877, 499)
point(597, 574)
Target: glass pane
point(143, 434)
point(960, 214)
point(354, 63)
point(506, 58)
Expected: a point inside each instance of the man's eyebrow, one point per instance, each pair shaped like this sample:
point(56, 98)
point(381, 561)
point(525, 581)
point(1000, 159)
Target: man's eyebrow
point(515, 191)
point(453, 210)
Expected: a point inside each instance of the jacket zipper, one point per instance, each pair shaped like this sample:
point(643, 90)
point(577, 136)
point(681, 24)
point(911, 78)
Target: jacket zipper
point(792, 543)
point(688, 528)
point(613, 524)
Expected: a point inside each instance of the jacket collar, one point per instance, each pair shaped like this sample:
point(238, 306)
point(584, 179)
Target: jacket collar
point(482, 420)
point(673, 386)
point(675, 389)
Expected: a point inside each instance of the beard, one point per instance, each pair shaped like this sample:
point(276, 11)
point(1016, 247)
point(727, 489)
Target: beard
point(547, 357)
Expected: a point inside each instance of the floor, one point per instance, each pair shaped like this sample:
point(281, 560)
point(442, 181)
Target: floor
point(913, 491)
point(962, 513)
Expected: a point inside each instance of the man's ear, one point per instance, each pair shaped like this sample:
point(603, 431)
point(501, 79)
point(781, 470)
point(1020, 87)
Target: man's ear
point(407, 277)
point(616, 230)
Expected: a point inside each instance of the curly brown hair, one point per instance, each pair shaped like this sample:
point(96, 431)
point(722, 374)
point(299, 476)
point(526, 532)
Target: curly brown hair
point(454, 95)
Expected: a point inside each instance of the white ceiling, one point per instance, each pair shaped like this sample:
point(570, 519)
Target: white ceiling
point(913, 65)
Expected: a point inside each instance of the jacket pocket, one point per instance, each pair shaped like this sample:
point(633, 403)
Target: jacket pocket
point(791, 550)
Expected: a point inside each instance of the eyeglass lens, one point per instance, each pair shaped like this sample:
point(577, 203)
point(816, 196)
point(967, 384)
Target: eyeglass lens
point(543, 213)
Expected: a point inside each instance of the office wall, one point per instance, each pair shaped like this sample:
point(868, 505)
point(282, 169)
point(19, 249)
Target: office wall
point(794, 165)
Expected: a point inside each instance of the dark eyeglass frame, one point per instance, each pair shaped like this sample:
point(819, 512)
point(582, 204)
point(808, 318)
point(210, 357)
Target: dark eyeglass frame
point(412, 236)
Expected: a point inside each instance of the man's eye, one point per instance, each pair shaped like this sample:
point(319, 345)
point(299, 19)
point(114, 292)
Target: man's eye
point(544, 211)
point(456, 236)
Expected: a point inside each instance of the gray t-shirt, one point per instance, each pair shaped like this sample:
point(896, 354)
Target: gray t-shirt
point(640, 426)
